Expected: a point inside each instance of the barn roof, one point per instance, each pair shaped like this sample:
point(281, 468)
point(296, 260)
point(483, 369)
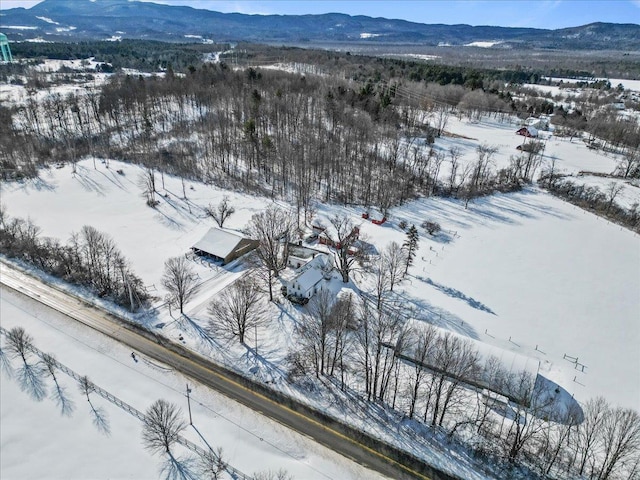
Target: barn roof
point(217, 242)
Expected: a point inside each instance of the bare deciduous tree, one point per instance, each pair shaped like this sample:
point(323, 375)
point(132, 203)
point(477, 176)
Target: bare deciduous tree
point(270, 475)
point(147, 182)
point(180, 280)
point(322, 334)
point(273, 229)
point(612, 191)
point(162, 427)
point(343, 238)
point(420, 348)
point(394, 258)
point(30, 375)
point(221, 212)
point(620, 436)
point(238, 310)
point(212, 464)
point(588, 432)
point(455, 360)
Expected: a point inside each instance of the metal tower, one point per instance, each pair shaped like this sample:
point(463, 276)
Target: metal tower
point(4, 46)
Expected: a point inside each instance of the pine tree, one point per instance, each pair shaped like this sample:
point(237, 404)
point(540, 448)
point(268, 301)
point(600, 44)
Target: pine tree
point(410, 245)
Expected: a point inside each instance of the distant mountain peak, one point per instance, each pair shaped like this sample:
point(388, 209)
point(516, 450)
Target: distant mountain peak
point(100, 19)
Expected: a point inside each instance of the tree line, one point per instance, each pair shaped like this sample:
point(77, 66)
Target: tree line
point(90, 259)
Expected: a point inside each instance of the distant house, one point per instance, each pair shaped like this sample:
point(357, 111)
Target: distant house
point(310, 278)
point(539, 123)
point(223, 246)
point(618, 105)
point(529, 132)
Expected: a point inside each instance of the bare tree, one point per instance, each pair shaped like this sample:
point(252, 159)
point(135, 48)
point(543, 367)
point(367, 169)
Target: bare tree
point(528, 414)
point(629, 165)
point(162, 427)
point(556, 435)
point(420, 349)
point(620, 435)
point(98, 415)
point(212, 465)
point(455, 360)
point(381, 273)
point(180, 280)
point(273, 229)
point(377, 338)
point(221, 212)
point(343, 238)
point(612, 191)
point(147, 182)
point(238, 310)
point(394, 258)
point(30, 375)
point(314, 331)
point(270, 475)
point(431, 227)
point(589, 430)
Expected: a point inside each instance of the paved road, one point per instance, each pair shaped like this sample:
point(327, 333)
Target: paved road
point(203, 371)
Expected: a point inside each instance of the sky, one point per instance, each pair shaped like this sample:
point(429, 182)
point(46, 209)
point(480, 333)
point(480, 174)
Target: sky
point(507, 13)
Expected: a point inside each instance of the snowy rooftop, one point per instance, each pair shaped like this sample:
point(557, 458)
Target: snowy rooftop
point(308, 278)
point(218, 242)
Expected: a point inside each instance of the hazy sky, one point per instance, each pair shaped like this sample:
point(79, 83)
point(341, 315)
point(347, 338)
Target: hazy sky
point(508, 13)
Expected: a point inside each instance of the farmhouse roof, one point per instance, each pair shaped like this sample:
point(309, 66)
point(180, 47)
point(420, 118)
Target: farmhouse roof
point(309, 278)
point(218, 242)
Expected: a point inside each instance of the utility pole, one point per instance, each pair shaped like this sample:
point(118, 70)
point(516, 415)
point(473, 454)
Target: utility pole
point(189, 404)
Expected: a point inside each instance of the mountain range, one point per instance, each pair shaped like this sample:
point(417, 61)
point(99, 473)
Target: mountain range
point(74, 20)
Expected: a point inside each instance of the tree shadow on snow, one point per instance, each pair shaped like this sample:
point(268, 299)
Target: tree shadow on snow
point(186, 323)
point(452, 292)
point(423, 311)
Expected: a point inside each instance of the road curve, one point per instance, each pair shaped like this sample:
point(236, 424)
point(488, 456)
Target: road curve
point(209, 374)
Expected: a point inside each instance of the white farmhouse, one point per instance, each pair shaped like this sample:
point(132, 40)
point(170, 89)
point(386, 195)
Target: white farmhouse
point(310, 278)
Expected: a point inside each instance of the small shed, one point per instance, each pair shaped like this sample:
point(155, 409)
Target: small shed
point(223, 246)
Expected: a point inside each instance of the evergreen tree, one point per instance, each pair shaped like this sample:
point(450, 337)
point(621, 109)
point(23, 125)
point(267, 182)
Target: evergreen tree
point(410, 245)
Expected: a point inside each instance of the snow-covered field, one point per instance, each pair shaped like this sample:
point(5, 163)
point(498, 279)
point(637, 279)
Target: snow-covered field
point(524, 266)
point(70, 447)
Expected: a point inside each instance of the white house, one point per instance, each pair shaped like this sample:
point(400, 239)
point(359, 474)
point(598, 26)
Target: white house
point(310, 278)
